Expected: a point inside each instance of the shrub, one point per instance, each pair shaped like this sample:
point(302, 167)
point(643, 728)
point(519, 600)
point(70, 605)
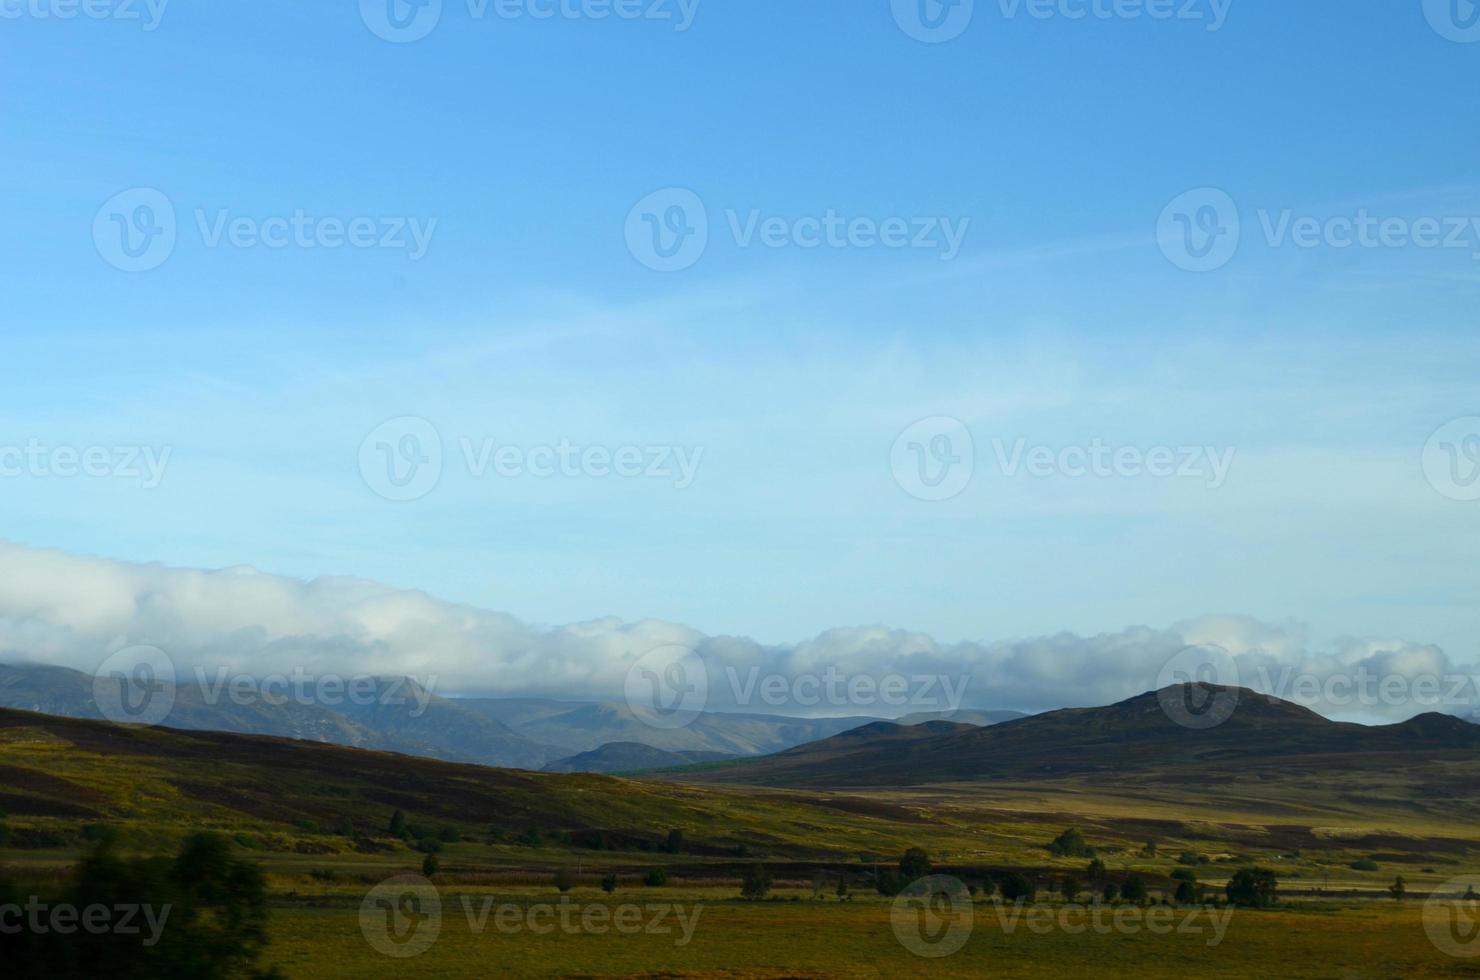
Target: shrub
point(430, 865)
point(1190, 857)
point(1365, 864)
point(674, 844)
point(397, 825)
point(656, 878)
point(756, 883)
point(449, 835)
point(429, 845)
point(1183, 874)
point(1134, 889)
point(915, 864)
point(1398, 888)
point(1111, 892)
point(1016, 888)
point(1186, 893)
point(1096, 870)
point(1069, 888)
point(1254, 888)
point(842, 889)
point(609, 884)
point(1070, 843)
point(564, 880)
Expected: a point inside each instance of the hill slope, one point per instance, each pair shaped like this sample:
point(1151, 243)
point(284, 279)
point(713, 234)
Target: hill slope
point(1262, 734)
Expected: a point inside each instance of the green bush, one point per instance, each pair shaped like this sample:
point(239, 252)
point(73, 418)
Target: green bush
point(656, 878)
point(1070, 843)
point(1254, 888)
point(1365, 864)
point(756, 883)
point(1016, 887)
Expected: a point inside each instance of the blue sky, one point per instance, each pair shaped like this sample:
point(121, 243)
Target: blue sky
point(1055, 143)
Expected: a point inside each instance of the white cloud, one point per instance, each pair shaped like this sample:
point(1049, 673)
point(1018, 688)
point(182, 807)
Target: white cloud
point(69, 610)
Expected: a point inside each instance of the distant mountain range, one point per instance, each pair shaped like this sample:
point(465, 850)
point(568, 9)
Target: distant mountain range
point(523, 733)
point(1263, 734)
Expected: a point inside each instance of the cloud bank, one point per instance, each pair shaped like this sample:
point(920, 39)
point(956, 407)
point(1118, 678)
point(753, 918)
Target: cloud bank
point(74, 611)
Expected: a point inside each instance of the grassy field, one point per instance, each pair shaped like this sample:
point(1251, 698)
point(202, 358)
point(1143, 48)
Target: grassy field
point(315, 818)
point(828, 938)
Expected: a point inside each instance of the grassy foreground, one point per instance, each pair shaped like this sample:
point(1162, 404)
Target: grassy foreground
point(827, 938)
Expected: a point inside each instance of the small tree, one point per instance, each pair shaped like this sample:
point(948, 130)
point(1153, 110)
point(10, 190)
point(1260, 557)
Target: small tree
point(609, 884)
point(1471, 895)
point(1016, 887)
point(1254, 888)
point(1070, 843)
point(1096, 870)
point(1111, 892)
point(1398, 888)
point(675, 841)
point(756, 883)
point(842, 889)
point(915, 864)
point(656, 878)
point(430, 865)
point(1069, 888)
point(1186, 893)
point(398, 825)
point(1134, 889)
